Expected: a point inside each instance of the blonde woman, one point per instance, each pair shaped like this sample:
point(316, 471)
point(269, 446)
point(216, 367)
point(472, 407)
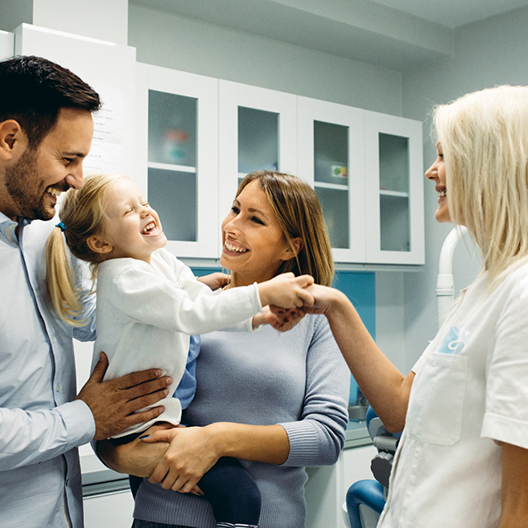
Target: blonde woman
point(463, 457)
point(149, 303)
point(276, 401)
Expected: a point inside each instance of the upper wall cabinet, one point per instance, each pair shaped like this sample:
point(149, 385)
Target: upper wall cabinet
point(197, 137)
point(394, 185)
point(331, 158)
point(177, 140)
point(257, 131)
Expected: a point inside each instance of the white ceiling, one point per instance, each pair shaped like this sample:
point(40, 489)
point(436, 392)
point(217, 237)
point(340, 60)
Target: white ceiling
point(453, 13)
point(395, 34)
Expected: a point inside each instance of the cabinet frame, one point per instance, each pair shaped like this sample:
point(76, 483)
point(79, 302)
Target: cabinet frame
point(311, 110)
point(376, 123)
point(233, 95)
point(205, 90)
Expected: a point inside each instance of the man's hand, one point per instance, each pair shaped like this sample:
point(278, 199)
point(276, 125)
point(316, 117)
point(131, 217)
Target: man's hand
point(114, 403)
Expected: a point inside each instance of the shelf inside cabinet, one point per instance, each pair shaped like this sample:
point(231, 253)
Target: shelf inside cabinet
point(394, 194)
point(171, 167)
point(335, 186)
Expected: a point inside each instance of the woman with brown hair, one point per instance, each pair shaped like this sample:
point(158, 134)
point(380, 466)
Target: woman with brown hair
point(276, 401)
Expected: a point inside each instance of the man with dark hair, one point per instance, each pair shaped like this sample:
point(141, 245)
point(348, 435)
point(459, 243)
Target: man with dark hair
point(46, 129)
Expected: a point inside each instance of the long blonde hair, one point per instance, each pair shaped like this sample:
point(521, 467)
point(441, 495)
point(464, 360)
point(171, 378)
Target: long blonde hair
point(299, 214)
point(82, 214)
point(484, 138)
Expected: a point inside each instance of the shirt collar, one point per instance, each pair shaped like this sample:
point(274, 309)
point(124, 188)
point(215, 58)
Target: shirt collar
point(8, 226)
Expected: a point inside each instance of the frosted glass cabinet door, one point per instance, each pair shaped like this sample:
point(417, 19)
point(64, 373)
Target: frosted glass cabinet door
point(395, 229)
point(178, 156)
point(257, 131)
point(331, 159)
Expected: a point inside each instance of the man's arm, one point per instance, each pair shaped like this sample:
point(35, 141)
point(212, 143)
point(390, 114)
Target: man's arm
point(101, 409)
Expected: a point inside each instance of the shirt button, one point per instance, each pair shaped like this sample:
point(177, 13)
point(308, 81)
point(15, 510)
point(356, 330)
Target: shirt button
point(58, 387)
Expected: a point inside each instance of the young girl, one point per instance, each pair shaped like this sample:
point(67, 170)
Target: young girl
point(148, 302)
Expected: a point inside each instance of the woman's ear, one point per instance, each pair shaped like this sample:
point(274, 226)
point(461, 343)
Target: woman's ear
point(13, 141)
point(289, 253)
point(99, 245)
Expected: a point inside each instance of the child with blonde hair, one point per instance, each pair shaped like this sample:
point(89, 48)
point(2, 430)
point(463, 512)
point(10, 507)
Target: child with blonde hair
point(148, 302)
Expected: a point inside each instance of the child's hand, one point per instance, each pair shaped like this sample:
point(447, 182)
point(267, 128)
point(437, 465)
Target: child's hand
point(286, 291)
point(215, 280)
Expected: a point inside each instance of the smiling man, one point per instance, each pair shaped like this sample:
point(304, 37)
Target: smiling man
point(46, 130)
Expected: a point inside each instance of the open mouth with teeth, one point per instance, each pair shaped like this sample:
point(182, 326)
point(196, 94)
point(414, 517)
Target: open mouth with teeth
point(442, 194)
point(234, 249)
point(150, 229)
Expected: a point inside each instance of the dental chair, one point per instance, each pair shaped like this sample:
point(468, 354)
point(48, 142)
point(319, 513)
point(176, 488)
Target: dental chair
point(366, 498)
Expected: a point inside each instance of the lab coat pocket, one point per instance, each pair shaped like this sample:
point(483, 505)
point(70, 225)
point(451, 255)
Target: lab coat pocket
point(435, 413)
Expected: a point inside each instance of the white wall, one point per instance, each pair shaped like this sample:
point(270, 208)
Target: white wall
point(184, 44)
point(99, 19)
point(486, 53)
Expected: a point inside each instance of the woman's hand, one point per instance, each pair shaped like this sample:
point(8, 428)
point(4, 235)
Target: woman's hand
point(279, 318)
point(287, 291)
point(324, 298)
point(191, 454)
point(215, 281)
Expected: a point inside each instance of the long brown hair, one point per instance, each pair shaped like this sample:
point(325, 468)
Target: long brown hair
point(300, 215)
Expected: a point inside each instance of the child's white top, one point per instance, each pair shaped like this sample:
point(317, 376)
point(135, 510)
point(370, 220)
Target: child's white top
point(146, 313)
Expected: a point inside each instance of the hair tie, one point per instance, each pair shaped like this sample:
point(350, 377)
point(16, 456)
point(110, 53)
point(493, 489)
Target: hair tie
point(61, 226)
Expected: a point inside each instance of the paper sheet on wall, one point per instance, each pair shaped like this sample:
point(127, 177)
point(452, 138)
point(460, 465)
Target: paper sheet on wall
point(107, 144)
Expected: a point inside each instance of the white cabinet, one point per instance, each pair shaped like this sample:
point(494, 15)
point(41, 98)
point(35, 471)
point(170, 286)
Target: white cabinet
point(327, 486)
point(394, 198)
point(331, 158)
point(257, 131)
point(7, 45)
point(177, 140)
point(367, 170)
point(109, 510)
point(198, 136)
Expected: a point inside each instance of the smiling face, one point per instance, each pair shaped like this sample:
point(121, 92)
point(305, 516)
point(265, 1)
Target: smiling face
point(131, 227)
point(40, 175)
point(437, 173)
point(254, 244)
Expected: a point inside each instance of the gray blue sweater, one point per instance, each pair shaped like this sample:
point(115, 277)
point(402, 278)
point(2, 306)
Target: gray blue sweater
point(297, 379)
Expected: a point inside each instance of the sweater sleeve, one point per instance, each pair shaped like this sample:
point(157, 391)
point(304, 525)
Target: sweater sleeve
point(319, 436)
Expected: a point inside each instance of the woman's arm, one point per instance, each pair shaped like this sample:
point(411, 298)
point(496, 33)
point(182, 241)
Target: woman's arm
point(177, 457)
point(314, 438)
point(514, 487)
point(385, 388)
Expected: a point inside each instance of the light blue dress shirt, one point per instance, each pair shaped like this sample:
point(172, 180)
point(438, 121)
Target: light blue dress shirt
point(40, 424)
